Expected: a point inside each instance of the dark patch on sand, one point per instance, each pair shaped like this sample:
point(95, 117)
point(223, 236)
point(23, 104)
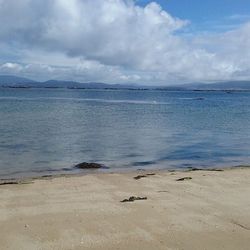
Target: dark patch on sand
point(14, 182)
point(138, 177)
point(184, 179)
point(240, 225)
point(206, 169)
point(134, 198)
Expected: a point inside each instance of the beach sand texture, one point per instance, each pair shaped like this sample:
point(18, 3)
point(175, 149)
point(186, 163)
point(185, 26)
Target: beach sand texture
point(209, 211)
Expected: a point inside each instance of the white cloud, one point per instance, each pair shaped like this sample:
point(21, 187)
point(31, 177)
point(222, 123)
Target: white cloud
point(239, 17)
point(115, 41)
point(10, 67)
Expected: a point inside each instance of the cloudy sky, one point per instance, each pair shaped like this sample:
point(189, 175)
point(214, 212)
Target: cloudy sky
point(126, 41)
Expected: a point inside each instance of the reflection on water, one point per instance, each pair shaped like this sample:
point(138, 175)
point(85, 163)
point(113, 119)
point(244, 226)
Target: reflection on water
point(46, 130)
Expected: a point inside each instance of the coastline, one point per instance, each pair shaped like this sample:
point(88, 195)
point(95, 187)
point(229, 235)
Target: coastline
point(206, 210)
point(24, 179)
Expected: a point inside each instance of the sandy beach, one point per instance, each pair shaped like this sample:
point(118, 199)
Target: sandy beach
point(210, 210)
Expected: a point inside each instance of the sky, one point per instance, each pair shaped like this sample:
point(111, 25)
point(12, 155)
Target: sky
point(162, 42)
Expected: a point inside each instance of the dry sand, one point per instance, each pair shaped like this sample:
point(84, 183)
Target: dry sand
point(210, 211)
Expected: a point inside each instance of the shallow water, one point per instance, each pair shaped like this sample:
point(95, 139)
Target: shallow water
point(50, 130)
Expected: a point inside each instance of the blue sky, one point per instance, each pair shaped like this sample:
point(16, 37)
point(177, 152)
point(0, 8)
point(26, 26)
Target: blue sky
point(209, 13)
point(159, 42)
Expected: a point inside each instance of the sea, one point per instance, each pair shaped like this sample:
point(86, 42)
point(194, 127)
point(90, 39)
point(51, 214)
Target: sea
point(49, 131)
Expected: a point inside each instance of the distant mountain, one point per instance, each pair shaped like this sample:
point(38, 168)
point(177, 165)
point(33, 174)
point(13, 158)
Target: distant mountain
point(20, 82)
point(89, 85)
point(7, 80)
point(72, 84)
point(230, 85)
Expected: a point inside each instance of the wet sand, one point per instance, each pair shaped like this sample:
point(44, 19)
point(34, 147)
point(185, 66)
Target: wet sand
point(210, 210)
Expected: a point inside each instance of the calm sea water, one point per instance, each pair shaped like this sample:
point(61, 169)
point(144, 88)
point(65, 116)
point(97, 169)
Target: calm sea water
point(51, 130)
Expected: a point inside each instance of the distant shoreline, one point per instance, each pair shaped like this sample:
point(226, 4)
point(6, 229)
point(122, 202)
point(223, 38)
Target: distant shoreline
point(133, 89)
point(11, 81)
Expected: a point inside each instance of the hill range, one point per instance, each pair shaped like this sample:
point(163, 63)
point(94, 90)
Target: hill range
point(9, 81)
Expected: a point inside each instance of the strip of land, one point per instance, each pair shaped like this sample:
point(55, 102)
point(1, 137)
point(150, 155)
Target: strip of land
point(157, 210)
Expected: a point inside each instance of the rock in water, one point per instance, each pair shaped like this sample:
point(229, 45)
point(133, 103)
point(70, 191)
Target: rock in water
point(87, 165)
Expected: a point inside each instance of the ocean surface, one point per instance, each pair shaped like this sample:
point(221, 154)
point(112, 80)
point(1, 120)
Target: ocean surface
point(48, 131)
